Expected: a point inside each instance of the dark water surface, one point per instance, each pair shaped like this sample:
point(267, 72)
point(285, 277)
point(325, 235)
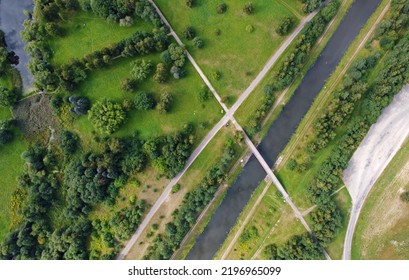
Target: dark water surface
point(11, 22)
point(281, 131)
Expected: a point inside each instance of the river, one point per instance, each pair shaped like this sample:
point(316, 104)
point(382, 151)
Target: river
point(281, 131)
point(11, 22)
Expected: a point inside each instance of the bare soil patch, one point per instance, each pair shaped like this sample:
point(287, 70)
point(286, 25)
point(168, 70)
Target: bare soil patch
point(34, 115)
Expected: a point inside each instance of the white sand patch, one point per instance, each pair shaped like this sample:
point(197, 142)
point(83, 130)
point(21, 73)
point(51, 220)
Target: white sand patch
point(380, 145)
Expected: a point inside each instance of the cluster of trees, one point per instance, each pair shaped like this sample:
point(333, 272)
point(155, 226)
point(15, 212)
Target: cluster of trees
point(193, 203)
point(298, 247)
point(174, 58)
point(140, 43)
point(107, 115)
point(6, 57)
point(121, 9)
point(169, 153)
point(293, 63)
point(8, 97)
point(354, 86)
point(40, 186)
point(79, 104)
point(310, 5)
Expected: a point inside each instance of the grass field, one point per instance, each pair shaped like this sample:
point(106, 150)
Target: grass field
point(11, 165)
point(382, 228)
point(186, 106)
point(189, 181)
point(86, 33)
point(236, 53)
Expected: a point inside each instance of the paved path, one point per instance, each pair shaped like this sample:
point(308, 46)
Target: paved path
point(228, 116)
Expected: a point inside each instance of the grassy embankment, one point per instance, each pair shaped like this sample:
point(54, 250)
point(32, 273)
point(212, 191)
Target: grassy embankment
point(382, 229)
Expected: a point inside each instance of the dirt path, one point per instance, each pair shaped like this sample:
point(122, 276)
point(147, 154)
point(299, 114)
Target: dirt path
point(380, 145)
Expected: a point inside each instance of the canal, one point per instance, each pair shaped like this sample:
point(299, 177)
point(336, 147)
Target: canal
point(281, 131)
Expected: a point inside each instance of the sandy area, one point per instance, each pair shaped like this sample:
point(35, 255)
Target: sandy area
point(380, 145)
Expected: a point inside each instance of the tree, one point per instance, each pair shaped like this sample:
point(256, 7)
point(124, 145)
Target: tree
point(6, 134)
point(107, 116)
point(285, 26)
point(161, 73)
point(7, 97)
point(198, 42)
point(165, 102)
point(221, 8)
point(141, 69)
point(189, 33)
point(177, 54)
point(144, 101)
point(248, 8)
point(69, 142)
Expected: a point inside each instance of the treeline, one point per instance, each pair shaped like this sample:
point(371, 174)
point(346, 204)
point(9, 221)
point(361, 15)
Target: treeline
point(49, 14)
point(357, 105)
point(293, 63)
point(120, 9)
point(164, 245)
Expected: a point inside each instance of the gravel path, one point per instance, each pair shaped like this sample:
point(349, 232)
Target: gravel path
point(380, 145)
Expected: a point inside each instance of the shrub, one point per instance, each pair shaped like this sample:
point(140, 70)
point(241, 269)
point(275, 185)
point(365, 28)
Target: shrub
point(221, 8)
point(176, 188)
point(248, 9)
point(198, 42)
point(189, 33)
point(405, 197)
point(144, 101)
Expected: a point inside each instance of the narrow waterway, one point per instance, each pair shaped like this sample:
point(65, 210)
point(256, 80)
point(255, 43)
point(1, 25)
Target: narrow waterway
point(11, 22)
point(281, 130)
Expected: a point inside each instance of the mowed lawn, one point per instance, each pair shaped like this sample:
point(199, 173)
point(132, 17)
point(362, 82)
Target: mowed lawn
point(236, 53)
point(11, 165)
point(86, 33)
point(186, 106)
point(382, 228)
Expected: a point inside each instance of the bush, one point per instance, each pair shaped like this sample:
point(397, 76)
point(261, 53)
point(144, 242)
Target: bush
point(405, 197)
point(190, 3)
point(286, 25)
point(198, 42)
point(248, 9)
point(221, 8)
point(189, 33)
point(129, 85)
point(176, 188)
point(107, 116)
